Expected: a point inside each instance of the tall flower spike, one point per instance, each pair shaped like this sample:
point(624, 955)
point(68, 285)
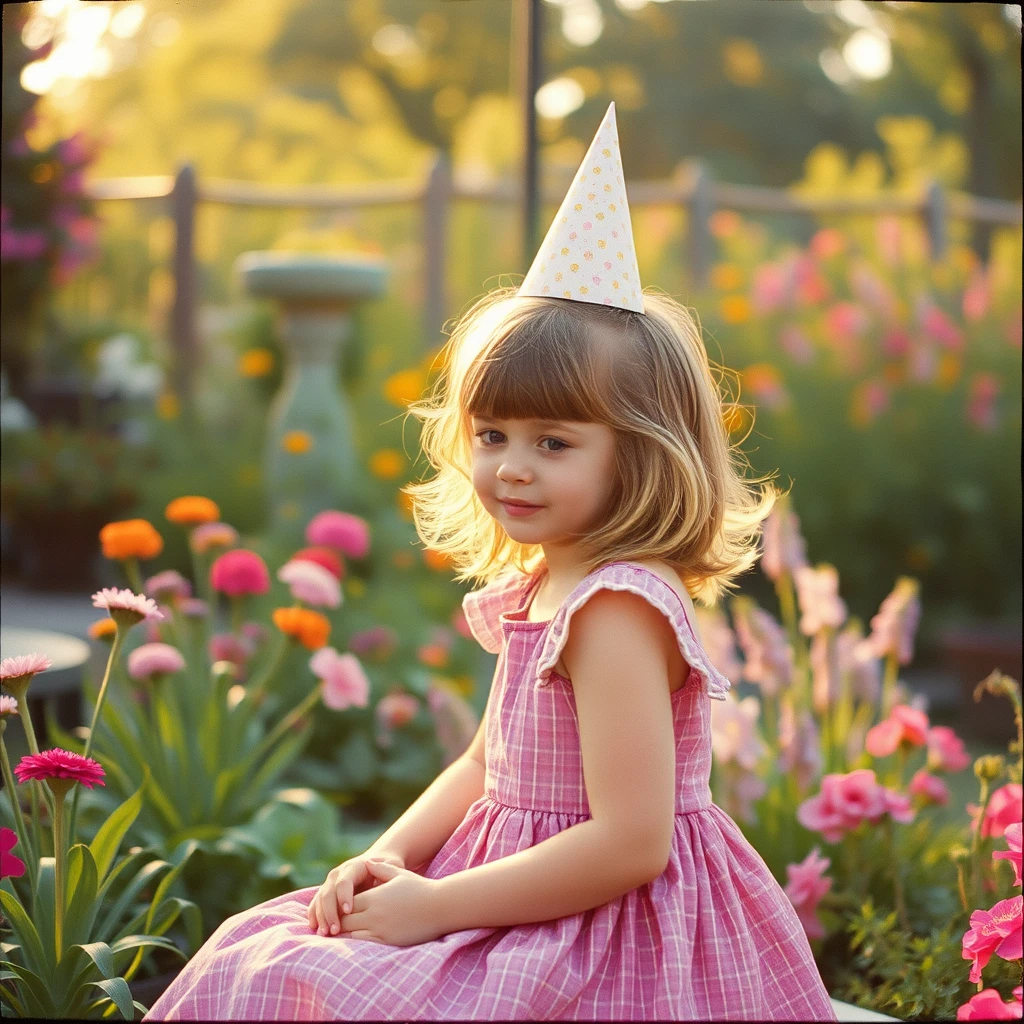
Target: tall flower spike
point(588, 253)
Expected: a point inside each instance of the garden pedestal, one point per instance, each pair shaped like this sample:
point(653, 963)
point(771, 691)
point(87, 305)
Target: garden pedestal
point(310, 462)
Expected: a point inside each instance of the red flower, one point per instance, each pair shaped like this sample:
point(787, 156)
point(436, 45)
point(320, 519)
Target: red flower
point(240, 572)
point(322, 556)
point(10, 866)
point(51, 765)
point(993, 931)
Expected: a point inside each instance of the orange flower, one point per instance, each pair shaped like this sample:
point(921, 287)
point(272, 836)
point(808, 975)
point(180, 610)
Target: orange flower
point(736, 309)
point(192, 510)
point(297, 442)
point(404, 387)
point(103, 629)
point(130, 538)
point(433, 655)
point(257, 362)
point(436, 559)
point(310, 628)
point(386, 463)
point(405, 502)
point(726, 277)
point(724, 223)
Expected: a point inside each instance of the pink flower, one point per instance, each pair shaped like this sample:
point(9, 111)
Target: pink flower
point(1012, 836)
point(827, 242)
point(734, 735)
point(346, 533)
point(239, 573)
point(805, 888)
point(843, 803)
point(871, 290)
point(939, 327)
point(228, 647)
point(977, 297)
point(22, 666)
point(396, 709)
point(818, 595)
point(747, 788)
point(863, 667)
point(169, 583)
point(893, 627)
point(154, 659)
point(345, 682)
point(60, 764)
point(212, 535)
point(322, 556)
point(898, 806)
point(194, 608)
point(378, 642)
point(460, 624)
point(8, 706)
point(126, 607)
point(768, 652)
point(988, 1005)
point(311, 582)
point(845, 321)
point(719, 642)
point(904, 725)
point(895, 343)
point(454, 720)
point(930, 787)
point(998, 931)
point(1004, 808)
point(889, 234)
point(799, 744)
point(784, 546)
point(982, 392)
point(10, 865)
point(770, 288)
point(946, 751)
point(795, 343)
point(153, 634)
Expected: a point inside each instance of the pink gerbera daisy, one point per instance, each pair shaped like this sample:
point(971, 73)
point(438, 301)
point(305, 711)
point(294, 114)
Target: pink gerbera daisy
point(8, 706)
point(22, 667)
point(60, 769)
point(125, 607)
point(10, 865)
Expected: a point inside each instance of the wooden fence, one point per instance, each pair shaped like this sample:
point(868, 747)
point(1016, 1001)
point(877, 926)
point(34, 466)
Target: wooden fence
point(692, 186)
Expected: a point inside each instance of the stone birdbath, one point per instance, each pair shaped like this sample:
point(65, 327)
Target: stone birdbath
point(310, 463)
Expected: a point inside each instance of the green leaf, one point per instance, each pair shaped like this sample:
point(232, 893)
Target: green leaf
point(224, 784)
point(116, 989)
point(83, 907)
point(58, 737)
point(145, 876)
point(38, 1000)
point(286, 752)
point(39, 960)
point(120, 868)
point(108, 839)
point(44, 906)
point(7, 993)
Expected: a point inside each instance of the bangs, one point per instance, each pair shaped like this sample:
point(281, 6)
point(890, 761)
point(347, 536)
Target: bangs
point(545, 367)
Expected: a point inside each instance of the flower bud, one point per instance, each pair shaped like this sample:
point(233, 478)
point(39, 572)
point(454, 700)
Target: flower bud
point(989, 767)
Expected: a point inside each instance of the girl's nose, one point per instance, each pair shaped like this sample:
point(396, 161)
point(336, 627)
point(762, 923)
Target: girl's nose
point(513, 471)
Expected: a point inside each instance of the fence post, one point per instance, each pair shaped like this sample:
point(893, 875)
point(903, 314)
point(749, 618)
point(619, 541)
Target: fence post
point(183, 331)
point(702, 206)
point(935, 219)
point(436, 202)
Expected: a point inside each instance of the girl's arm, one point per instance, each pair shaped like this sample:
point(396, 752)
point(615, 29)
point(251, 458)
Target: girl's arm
point(438, 811)
point(617, 656)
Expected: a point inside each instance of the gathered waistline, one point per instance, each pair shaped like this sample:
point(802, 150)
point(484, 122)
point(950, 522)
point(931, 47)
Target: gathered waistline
point(575, 814)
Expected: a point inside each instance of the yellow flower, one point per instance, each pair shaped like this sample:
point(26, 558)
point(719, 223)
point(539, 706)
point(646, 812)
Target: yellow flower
point(167, 406)
point(386, 463)
point(735, 418)
point(405, 502)
point(103, 629)
point(297, 442)
point(735, 309)
point(192, 509)
point(404, 387)
point(257, 362)
point(726, 277)
point(949, 371)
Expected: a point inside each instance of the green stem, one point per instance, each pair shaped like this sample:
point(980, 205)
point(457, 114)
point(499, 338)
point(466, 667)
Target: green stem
point(131, 570)
point(237, 615)
point(254, 691)
point(31, 854)
point(977, 845)
point(59, 853)
point(892, 669)
point(286, 723)
point(36, 787)
point(115, 650)
point(897, 881)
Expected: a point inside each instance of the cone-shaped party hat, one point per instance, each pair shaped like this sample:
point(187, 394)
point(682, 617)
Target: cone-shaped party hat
point(587, 254)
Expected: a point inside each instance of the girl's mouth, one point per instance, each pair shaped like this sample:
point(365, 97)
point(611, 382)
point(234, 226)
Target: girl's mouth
point(520, 510)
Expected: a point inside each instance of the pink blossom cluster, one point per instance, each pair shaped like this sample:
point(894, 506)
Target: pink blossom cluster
point(805, 888)
point(845, 801)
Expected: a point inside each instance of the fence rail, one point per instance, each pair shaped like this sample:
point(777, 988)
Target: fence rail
point(691, 186)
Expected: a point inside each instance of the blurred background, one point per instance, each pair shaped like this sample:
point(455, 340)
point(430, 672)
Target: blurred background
point(833, 187)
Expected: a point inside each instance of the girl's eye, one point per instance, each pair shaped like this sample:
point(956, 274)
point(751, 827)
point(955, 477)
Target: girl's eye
point(555, 439)
point(483, 436)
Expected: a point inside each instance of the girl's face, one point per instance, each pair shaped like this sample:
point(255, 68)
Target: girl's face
point(565, 470)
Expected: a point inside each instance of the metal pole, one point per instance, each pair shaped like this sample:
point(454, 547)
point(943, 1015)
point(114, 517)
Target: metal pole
point(527, 33)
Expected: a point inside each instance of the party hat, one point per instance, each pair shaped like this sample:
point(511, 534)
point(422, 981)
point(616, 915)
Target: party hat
point(588, 254)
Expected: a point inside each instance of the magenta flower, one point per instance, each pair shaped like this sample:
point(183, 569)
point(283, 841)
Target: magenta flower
point(154, 660)
point(904, 725)
point(344, 681)
point(784, 546)
point(346, 533)
point(378, 642)
point(1012, 836)
point(311, 582)
point(124, 607)
point(396, 709)
point(22, 668)
point(232, 649)
point(10, 865)
point(53, 766)
point(194, 608)
point(929, 787)
point(8, 706)
point(256, 633)
point(454, 719)
point(768, 652)
point(805, 888)
point(982, 392)
point(946, 751)
point(847, 800)
point(207, 536)
point(1004, 808)
point(818, 594)
point(239, 573)
point(988, 1005)
point(893, 627)
point(997, 930)
point(168, 584)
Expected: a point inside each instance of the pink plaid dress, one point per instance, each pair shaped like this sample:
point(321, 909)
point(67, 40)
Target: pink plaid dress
point(712, 938)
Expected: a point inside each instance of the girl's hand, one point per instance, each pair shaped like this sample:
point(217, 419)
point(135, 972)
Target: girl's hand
point(404, 910)
point(330, 902)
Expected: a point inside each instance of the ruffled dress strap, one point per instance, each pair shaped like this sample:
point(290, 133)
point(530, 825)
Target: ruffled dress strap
point(636, 579)
point(484, 607)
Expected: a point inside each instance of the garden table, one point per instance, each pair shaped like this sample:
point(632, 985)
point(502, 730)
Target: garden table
point(61, 682)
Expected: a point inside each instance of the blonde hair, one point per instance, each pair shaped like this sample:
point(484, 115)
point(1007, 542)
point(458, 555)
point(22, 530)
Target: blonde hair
point(680, 495)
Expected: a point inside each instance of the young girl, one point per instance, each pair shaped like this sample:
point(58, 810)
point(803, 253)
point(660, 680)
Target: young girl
point(571, 864)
